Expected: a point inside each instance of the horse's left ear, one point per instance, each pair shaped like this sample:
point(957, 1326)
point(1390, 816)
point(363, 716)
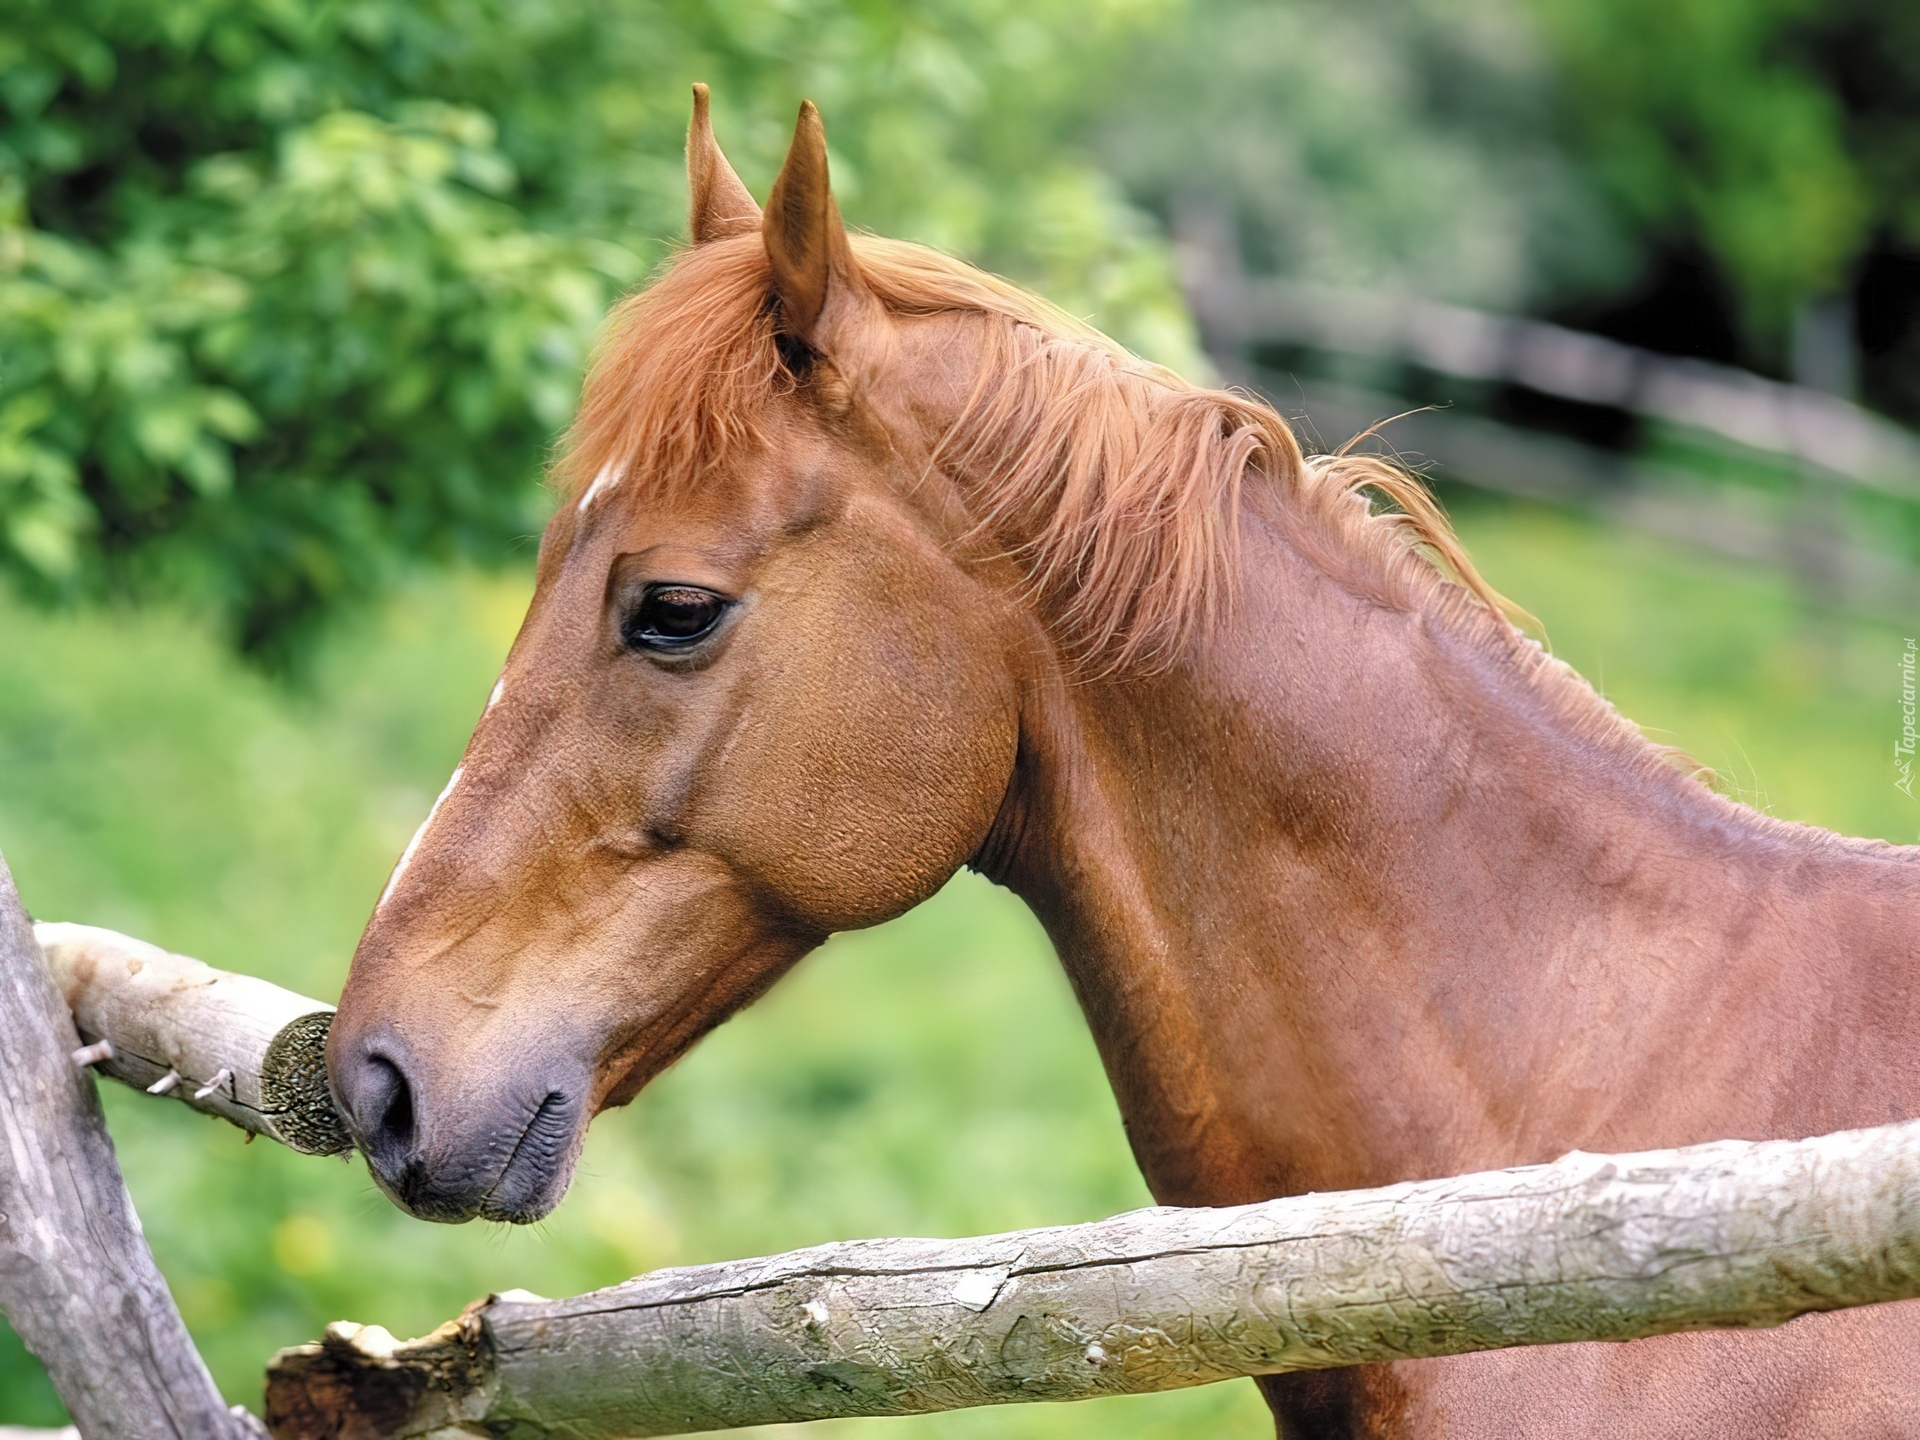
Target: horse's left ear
point(806, 243)
point(719, 204)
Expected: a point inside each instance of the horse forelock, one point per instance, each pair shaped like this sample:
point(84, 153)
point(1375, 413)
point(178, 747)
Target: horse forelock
point(681, 380)
point(1113, 483)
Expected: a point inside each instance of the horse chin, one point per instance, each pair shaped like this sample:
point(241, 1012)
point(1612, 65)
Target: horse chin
point(522, 1196)
point(529, 1205)
point(537, 1174)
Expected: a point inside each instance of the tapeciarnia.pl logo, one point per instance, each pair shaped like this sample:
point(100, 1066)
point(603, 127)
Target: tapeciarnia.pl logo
point(1903, 747)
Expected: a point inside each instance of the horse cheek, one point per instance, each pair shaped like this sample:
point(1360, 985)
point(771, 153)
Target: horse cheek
point(887, 768)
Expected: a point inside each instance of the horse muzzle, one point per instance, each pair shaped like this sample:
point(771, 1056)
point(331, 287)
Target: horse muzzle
point(502, 1151)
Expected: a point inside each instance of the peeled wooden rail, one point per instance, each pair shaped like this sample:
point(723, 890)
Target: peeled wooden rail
point(1591, 1247)
point(230, 1045)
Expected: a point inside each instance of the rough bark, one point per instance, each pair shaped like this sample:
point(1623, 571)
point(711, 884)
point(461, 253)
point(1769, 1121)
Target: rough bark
point(1734, 1234)
point(235, 1046)
point(76, 1278)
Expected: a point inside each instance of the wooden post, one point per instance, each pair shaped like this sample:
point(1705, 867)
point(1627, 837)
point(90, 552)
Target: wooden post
point(76, 1278)
point(1734, 1234)
point(231, 1045)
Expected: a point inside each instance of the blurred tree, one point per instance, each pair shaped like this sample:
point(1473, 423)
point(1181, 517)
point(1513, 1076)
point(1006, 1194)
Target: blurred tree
point(294, 292)
point(291, 294)
point(1396, 144)
point(1693, 175)
point(1869, 52)
point(1765, 155)
point(1702, 129)
point(271, 318)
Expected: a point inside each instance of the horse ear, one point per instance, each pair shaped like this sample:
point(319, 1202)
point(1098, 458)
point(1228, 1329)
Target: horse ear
point(720, 204)
point(806, 243)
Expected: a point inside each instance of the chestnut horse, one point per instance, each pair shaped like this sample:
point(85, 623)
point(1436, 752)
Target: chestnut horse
point(870, 566)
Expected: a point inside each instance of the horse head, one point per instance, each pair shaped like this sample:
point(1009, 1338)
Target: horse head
point(767, 689)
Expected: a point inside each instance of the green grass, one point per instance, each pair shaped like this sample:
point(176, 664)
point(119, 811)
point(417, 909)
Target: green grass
point(928, 1077)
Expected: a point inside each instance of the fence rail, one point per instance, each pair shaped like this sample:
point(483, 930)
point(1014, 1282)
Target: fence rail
point(1236, 313)
point(1791, 421)
point(1592, 1247)
point(228, 1045)
point(1830, 444)
point(76, 1278)
point(1783, 532)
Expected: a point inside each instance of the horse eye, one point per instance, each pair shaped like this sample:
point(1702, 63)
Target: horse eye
point(672, 617)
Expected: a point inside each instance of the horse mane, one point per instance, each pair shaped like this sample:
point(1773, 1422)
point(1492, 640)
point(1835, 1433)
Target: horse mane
point(1113, 483)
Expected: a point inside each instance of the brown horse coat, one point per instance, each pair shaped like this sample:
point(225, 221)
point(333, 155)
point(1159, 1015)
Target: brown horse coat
point(871, 566)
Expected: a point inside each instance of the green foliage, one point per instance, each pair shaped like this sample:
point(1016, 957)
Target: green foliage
point(260, 345)
point(345, 355)
point(293, 294)
point(1869, 51)
point(1529, 153)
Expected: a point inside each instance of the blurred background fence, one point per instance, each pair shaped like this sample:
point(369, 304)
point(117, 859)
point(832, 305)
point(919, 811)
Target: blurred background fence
point(1790, 454)
point(294, 297)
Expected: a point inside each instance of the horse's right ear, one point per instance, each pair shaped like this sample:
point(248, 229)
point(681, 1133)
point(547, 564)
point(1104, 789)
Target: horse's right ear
point(719, 203)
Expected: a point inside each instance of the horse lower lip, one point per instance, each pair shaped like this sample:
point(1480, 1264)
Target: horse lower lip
point(529, 1184)
point(522, 1193)
point(522, 1203)
point(422, 1196)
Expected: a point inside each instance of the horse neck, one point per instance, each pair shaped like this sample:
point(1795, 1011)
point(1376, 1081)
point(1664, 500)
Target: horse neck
point(1357, 894)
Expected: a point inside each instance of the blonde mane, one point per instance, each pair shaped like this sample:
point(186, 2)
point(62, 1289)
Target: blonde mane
point(1113, 483)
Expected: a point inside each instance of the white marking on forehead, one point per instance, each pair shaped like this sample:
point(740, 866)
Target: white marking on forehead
point(406, 855)
point(499, 691)
point(609, 476)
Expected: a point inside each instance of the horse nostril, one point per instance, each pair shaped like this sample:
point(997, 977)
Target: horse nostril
point(382, 1105)
point(396, 1117)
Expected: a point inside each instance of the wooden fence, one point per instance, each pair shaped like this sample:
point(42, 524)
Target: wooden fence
point(1591, 1247)
point(1833, 446)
